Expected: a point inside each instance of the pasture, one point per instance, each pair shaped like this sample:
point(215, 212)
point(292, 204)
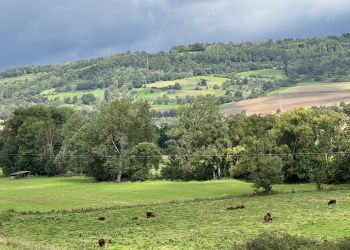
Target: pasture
point(195, 224)
point(58, 193)
point(51, 94)
point(153, 90)
point(304, 95)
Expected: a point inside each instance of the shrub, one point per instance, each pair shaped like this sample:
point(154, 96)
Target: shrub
point(88, 99)
point(344, 244)
point(279, 241)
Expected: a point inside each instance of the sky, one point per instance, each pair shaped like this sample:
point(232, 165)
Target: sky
point(39, 32)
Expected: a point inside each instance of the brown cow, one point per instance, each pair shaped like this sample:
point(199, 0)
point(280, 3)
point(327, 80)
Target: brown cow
point(332, 202)
point(241, 206)
point(101, 242)
point(267, 217)
point(101, 218)
point(150, 214)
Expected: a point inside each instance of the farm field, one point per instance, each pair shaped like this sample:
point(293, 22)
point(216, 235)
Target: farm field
point(46, 194)
point(153, 90)
point(305, 95)
point(196, 224)
point(51, 94)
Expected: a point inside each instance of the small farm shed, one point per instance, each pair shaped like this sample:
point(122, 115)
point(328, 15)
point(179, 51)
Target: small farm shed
point(19, 174)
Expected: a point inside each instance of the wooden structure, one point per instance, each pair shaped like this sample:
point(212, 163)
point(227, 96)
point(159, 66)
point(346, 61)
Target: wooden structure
point(19, 174)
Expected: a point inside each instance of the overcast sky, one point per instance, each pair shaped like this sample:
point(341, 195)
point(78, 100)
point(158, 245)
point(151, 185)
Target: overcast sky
point(57, 31)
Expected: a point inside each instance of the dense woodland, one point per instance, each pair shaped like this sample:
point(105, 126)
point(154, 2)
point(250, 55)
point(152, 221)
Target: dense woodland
point(313, 59)
point(122, 142)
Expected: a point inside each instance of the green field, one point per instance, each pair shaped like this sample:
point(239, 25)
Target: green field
point(192, 224)
point(45, 194)
point(188, 89)
point(51, 94)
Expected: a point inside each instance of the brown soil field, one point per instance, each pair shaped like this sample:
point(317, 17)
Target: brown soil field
point(294, 97)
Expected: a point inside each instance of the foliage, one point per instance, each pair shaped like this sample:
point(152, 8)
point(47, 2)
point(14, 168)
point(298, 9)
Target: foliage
point(32, 139)
point(310, 137)
point(88, 99)
point(260, 164)
point(144, 157)
point(268, 65)
point(283, 241)
point(108, 139)
point(197, 142)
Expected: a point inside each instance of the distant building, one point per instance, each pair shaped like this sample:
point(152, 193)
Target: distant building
point(19, 174)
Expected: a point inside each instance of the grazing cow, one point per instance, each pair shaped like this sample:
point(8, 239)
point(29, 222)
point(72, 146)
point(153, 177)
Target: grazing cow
point(241, 206)
point(101, 242)
point(101, 218)
point(332, 202)
point(150, 214)
point(267, 217)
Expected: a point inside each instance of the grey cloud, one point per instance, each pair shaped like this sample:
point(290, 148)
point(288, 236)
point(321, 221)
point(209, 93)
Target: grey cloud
point(51, 31)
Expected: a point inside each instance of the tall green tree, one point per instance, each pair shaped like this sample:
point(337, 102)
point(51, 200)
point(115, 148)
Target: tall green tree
point(311, 137)
point(107, 140)
point(261, 164)
point(198, 141)
point(32, 139)
point(144, 157)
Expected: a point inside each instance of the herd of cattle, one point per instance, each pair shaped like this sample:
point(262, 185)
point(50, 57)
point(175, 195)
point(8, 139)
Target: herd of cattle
point(267, 217)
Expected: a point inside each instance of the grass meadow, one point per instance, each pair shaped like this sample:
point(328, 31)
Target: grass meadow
point(184, 224)
point(51, 94)
point(188, 89)
point(58, 193)
point(62, 212)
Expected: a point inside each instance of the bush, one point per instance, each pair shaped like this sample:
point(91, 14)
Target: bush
point(344, 244)
point(279, 241)
point(88, 99)
point(202, 82)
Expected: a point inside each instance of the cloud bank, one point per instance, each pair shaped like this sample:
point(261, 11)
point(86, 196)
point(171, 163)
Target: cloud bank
point(51, 31)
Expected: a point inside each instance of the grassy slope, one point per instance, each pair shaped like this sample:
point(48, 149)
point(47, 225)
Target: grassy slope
point(188, 225)
point(52, 95)
point(22, 78)
point(188, 84)
point(45, 194)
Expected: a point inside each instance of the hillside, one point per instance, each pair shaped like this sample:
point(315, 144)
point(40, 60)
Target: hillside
point(238, 71)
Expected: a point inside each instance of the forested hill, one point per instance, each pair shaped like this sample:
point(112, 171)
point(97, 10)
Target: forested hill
point(87, 83)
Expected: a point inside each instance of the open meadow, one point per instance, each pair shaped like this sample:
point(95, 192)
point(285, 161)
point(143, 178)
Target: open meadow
point(51, 94)
point(189, 215)
point(189, 87)
point(57, 193)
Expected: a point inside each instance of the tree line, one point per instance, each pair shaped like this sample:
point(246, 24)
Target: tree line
point(122, 141)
